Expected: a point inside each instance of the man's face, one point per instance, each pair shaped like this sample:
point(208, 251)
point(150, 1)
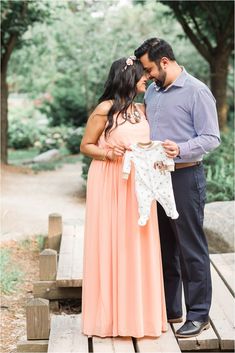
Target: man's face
point(154, 71)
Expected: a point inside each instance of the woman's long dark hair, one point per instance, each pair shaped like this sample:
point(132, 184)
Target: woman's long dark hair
point(120, 87)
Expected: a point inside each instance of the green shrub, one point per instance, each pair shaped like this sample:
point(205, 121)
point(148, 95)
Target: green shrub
point(74, 139)
point(86, 161)
point(21, 134)
point(67, 106)
point(51, 137)
point(219, 168)
point(26, 132)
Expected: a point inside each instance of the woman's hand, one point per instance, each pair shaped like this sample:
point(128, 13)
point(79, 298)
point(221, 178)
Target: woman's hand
point(116, 152)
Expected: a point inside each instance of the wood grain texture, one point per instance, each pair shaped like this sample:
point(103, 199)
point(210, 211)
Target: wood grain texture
point(54, 231)
point(48, 265)
point(38, 319)
point(66, 336)
point(49, 290)
point(70, 267)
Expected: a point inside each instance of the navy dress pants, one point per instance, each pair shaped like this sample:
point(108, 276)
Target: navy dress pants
point(184, 247)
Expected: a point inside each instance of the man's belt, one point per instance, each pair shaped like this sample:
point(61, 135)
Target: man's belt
point(186, 165)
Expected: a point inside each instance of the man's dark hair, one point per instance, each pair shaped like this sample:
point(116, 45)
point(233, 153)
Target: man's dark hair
point(156, 48)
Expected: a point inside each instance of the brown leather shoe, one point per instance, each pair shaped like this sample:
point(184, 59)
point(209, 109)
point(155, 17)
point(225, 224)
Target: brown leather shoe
point(175, 320)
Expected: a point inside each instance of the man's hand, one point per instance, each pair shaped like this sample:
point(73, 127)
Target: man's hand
point(171, 148)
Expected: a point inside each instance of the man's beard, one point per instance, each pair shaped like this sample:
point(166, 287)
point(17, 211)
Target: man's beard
point(161, 80)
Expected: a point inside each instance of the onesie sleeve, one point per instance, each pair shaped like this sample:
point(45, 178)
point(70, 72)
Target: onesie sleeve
point(127, 164)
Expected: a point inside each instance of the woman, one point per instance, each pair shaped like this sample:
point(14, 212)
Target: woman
point(123, 293)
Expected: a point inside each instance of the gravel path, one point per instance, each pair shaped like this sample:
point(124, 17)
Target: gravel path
point(28, 199)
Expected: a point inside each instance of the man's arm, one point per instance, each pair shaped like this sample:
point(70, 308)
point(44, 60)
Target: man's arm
point(205, 121)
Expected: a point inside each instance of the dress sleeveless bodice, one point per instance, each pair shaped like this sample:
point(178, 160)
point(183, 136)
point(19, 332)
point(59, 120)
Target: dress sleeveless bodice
point(126, 133)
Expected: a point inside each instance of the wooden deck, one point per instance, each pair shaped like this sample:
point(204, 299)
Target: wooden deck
point(69, 273)
point(65, 335)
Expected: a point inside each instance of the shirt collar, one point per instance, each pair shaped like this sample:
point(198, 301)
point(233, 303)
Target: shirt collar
point(179, 81)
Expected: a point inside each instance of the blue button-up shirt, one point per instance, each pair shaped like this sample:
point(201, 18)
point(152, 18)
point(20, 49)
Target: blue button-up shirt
point(184, 112)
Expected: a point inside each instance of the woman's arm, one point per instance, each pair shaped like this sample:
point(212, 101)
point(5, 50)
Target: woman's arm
point(94, 128)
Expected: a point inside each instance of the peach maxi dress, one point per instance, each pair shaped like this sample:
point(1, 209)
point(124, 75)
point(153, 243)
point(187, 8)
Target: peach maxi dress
point(123, 292)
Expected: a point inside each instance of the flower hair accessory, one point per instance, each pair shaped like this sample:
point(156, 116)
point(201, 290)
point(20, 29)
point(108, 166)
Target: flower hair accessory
point(129, 62)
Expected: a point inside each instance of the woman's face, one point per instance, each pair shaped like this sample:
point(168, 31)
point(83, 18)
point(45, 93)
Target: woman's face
point(141, 84)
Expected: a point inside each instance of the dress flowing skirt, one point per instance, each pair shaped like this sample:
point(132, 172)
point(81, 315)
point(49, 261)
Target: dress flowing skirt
point(123, 291)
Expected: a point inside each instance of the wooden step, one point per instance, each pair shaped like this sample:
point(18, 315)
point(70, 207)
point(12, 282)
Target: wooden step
point(66, 337)
point(221, 334)
point(165, 343)
point(224, 265)
point(69, 273)
point(222, 312)
point(113, 345)
point(207, 340)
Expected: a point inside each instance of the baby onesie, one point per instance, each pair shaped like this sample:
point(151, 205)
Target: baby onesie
point(152, 178)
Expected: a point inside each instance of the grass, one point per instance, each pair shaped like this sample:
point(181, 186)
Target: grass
point(23, 156)
point(18, 157)
point(11, 275)
point(41, 242)
point(27, 243)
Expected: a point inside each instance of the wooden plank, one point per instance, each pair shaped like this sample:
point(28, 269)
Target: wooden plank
point(222, 312)
point(102, 345)
point(165, 343)
point(207, 340)
point(123, 344)
point(32, 346)
point(224, 265)
point(113, 344)
point(70, 268)
point(49, 290)
point(66, 336)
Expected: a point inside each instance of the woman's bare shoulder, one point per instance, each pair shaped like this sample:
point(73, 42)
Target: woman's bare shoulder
point(101, 111)
point(104, 107)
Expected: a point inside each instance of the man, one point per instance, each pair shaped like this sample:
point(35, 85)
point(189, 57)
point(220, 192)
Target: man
point(182, 113)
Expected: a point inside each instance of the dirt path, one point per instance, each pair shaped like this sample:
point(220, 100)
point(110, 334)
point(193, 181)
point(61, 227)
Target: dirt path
point(28, 199)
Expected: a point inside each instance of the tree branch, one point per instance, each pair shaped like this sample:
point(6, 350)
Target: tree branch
point(229, 28)
point(200, 34)
point(12, 42)
point(204, 6)
point(200, 47)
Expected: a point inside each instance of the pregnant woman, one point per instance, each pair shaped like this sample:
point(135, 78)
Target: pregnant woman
point(123, 292)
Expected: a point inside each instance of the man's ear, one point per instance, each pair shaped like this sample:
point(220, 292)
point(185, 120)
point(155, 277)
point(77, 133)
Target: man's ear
point(164, 62)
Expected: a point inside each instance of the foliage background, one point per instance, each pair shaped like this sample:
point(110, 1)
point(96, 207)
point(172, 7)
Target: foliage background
point(58, 73)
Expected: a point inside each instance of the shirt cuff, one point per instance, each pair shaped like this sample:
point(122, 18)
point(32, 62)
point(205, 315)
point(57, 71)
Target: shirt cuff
point(184, 150)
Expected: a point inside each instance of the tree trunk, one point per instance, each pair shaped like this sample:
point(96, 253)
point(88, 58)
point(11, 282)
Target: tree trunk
point(4, 113)
point(218, 77)
point(4, 96)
